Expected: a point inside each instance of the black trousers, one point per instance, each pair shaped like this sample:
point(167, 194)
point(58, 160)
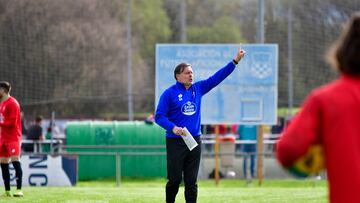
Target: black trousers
point(181, 162)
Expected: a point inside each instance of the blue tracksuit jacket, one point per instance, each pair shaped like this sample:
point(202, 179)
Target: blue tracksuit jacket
point(182, 107)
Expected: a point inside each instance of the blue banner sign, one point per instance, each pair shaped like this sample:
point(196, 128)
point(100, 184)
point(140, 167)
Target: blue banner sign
point(247, 96)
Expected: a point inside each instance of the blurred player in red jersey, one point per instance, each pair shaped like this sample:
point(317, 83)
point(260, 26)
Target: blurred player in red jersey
point(330, 116)
point(10, 138)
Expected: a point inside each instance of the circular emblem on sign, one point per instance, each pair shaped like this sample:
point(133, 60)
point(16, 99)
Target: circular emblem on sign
point(189, 108)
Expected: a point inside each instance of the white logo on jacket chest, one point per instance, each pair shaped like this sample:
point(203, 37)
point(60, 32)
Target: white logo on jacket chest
point(189, 108)
point(180, 97)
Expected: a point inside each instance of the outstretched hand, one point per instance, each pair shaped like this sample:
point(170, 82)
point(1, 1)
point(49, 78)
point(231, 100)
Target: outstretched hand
point(239, 55)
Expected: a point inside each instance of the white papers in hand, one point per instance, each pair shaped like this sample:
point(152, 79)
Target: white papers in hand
point(189, 139)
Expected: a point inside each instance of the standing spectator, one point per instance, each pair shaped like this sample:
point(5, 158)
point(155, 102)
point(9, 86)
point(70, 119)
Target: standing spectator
point(277, 129)
point(249, 133)
point(52, 134)
point(223, 130)
point(23, 129)
point(23, 124)
point(35, 133)
point(330, 117)
point(48, 136)
point(10, 138)
point(234, 129)
point(179, 107)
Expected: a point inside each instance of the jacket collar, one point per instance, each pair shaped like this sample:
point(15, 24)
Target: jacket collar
point(180, 85)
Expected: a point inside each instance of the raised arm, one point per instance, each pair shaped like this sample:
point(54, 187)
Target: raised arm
point(220, 75)
point(239, 55)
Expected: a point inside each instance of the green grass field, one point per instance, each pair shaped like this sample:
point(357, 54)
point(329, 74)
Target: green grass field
point(152, 191)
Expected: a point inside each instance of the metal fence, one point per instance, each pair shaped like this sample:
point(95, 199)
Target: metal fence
point(62, 149)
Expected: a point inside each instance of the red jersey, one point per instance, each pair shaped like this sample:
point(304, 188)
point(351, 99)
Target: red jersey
point(10, 121)
point(330, 116)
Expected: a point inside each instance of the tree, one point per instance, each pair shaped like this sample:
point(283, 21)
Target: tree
point(222, 31)
point(61, 51)
point(150, 25)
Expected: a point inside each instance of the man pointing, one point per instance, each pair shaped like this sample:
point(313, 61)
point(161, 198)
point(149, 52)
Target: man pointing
point(180, 106)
